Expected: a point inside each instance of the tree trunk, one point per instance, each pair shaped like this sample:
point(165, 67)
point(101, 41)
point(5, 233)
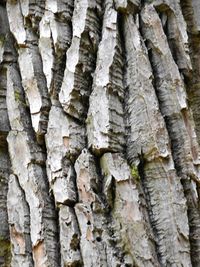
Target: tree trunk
point(99, 133)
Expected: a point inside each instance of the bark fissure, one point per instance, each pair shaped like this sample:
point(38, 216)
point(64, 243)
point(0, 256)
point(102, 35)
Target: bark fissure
point(191, 11)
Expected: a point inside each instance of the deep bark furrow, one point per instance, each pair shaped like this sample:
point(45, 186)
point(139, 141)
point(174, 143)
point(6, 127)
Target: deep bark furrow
point(127, 6)
point(5, 58)
point(4, 177)
point(191, 13)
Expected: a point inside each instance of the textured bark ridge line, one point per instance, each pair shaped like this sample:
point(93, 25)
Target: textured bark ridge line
point(191, 12)
point(105, 125)
point(33, 79)
point(172, 100)
point(28, 166)
point(19, 223)
point(148, 139)
point(122, 197)
point(81, 58)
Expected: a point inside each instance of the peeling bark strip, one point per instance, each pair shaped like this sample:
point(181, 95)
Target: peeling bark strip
point(99, 148)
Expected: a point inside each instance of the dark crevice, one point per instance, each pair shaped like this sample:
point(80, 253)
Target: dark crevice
point(5, 168)
point(191, 15)
point(120, 21)
point(144, 194)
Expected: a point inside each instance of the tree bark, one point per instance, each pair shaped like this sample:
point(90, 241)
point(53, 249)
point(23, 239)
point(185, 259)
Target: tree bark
point(100, 133)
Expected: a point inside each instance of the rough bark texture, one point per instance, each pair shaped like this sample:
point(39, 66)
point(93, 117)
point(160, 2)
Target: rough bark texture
point(100, 133)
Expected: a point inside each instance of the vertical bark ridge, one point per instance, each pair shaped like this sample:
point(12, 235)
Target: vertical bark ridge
point(54, 40)
point(25, 31)
point(65, 139)
point(19, 224)
point(148, 139)
point(174, 27)
point(29, 167)
point(172, 101)
point(105, 126)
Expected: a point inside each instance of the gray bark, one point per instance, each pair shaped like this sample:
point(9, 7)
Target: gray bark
point(100, 133)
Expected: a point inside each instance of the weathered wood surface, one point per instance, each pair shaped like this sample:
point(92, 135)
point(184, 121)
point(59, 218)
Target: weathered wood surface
point(100, 133)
